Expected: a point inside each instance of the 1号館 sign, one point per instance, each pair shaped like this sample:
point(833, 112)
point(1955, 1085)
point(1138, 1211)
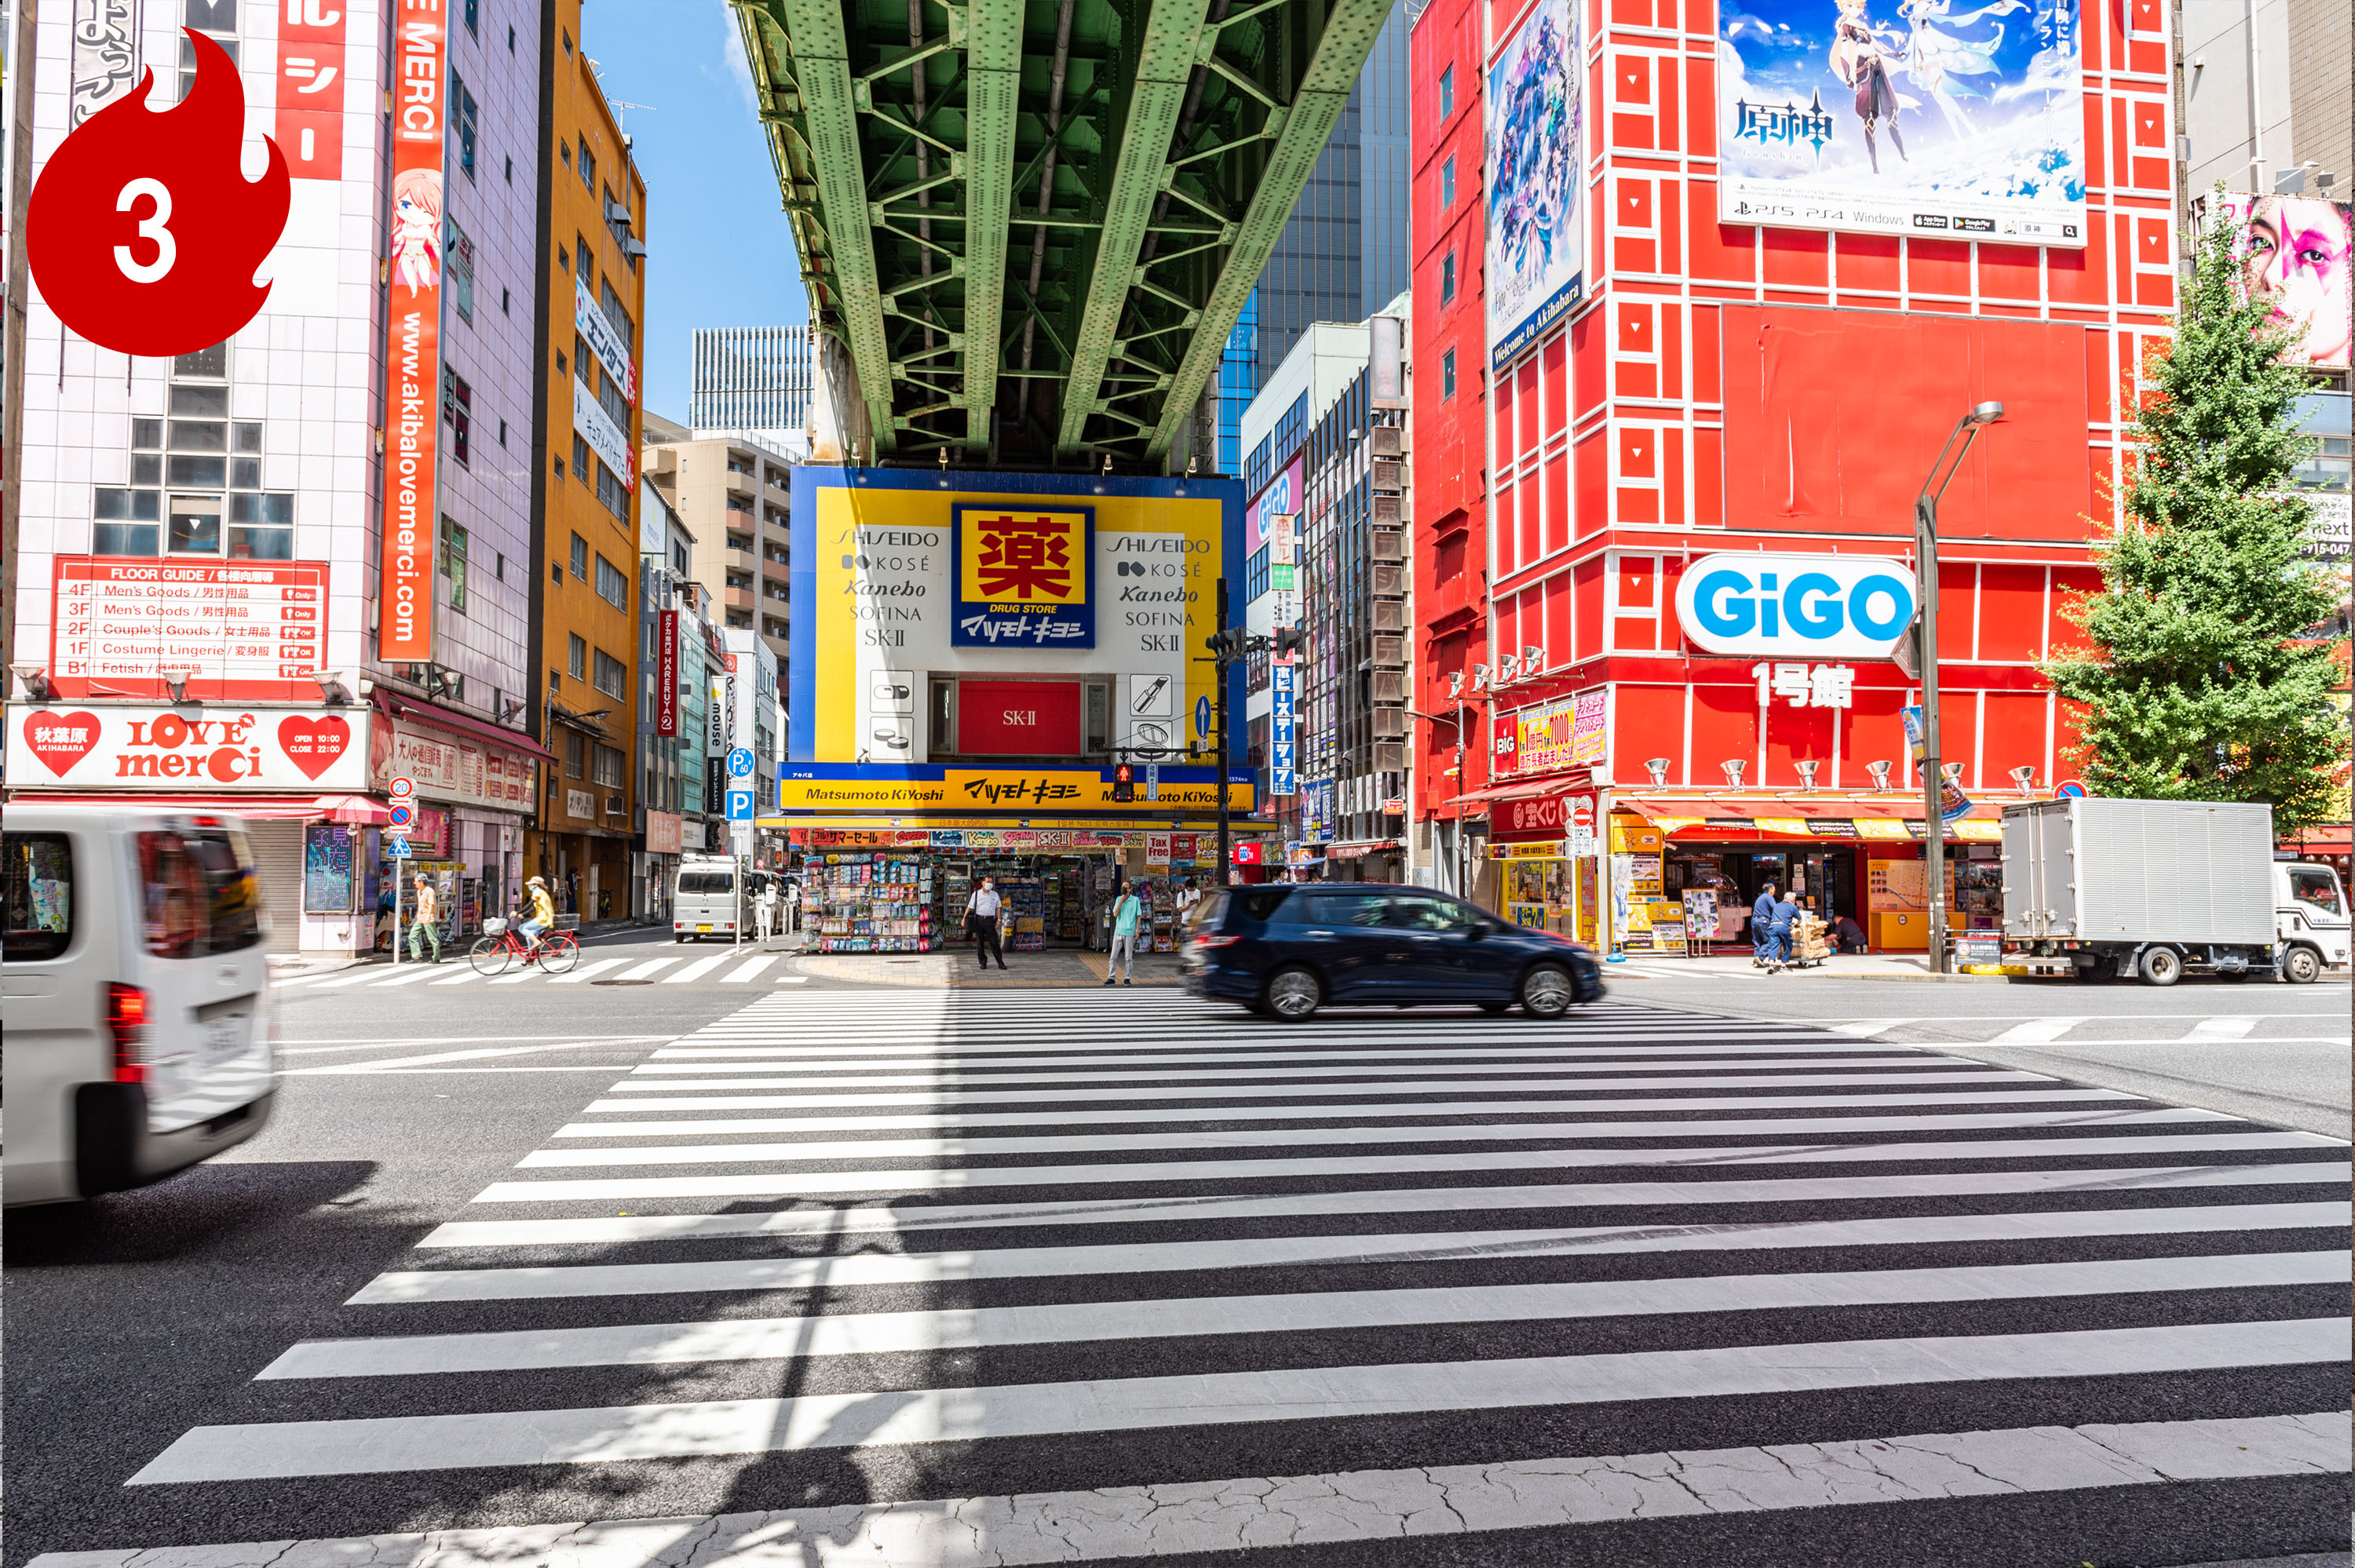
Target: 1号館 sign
point(1796, 606)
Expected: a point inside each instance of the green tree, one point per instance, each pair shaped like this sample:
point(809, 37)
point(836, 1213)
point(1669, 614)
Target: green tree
point(2201, 680)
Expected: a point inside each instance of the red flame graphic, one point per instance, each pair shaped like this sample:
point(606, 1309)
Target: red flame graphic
point(142, 233)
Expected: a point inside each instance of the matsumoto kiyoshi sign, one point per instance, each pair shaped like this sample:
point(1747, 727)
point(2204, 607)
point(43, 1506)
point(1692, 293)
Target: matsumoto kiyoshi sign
point(1781, 606)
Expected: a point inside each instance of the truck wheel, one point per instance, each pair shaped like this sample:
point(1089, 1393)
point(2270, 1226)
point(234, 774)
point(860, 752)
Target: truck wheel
point(2162, 966)
point(2300, 967)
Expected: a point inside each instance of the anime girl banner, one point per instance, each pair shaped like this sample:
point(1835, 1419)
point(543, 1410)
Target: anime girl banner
point(1956, 117)
point(1535, 179)
point(413, 352)
point(2296, 257)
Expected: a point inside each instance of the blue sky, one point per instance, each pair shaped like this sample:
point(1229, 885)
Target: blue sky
point(719, 252)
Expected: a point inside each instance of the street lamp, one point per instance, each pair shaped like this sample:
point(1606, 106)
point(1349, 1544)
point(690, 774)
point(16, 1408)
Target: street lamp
point(1455, 689)
point(1926, 555)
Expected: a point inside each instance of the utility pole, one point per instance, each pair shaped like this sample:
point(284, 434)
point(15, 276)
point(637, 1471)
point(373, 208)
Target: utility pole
point(1226, 853)
point(1934, 776)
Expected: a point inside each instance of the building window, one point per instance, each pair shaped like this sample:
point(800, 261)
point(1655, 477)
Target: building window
point(127, 522)
point(606, 766)
point(261, 527)
point(457, 412)
point(458, 271)
point(587, 168)
point(503, 432)
point(505, 299)
point(613, 492)
point(453, 563)
point(678, 559)
point(576, 748)
point(1447, 182)
point(1448, 278)
point(612, 586)
point(618, 314)
point(510, 171)
point(1447, 92)
point(579, 557)
point(474, 17)
point(580, 459)
point(575, 658)
point(462, 123)
point(609, 674)
point(560, 473)
point(1447, 374)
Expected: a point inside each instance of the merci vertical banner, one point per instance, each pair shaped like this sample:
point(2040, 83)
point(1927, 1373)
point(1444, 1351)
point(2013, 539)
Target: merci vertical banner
point(413, 349)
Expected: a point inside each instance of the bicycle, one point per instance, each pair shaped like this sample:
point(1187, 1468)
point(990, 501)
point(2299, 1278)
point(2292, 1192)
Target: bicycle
point(501, 941)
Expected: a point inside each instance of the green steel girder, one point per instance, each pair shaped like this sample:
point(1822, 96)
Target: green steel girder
point(1034, 253)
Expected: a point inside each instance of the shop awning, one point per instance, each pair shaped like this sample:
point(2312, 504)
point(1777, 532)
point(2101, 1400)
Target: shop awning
point(1361, 848)
point(410, 710)
point(259, 808)
point(1814, 818)
point(1511, 792)
point(2334, 837)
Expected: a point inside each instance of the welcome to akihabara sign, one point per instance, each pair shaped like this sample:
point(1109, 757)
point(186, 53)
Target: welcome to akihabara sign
point(901, 577)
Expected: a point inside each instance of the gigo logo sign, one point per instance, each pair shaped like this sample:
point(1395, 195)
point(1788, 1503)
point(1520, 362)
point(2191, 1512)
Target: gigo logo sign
point(1845, 607)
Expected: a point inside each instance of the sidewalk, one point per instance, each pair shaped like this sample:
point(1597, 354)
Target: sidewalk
point(1841, 966)
point(954, 967)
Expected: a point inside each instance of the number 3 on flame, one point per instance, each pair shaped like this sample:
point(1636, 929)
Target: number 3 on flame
point(151, 229)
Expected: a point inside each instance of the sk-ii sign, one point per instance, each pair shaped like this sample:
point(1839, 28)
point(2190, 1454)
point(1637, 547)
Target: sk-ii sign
point(1796, 606)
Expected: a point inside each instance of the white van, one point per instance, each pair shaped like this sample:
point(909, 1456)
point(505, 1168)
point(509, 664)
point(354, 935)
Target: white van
point(704, 901)
point(142, 1036)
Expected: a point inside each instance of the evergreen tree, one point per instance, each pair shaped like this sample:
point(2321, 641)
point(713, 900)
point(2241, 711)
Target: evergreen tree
point(2202, 681)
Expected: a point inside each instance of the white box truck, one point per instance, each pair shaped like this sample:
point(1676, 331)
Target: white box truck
point(2159, 889)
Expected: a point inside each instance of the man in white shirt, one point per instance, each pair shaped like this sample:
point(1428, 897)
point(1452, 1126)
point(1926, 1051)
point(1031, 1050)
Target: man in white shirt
point(981, 922)
point(1188, 896)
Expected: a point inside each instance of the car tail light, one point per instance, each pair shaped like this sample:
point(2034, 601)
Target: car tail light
point(1209, 940)
point(126, 1020)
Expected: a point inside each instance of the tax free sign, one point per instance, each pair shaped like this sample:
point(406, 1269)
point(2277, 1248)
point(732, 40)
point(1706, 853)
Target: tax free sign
point(1797, 607)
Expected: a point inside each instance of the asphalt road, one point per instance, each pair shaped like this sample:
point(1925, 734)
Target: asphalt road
point(138, 1326)
point(2278, 1053)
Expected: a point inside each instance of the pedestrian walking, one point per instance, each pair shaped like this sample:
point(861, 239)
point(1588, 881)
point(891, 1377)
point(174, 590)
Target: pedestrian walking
point(1127, 913)
point(1762, 915)
point(426, 926)
point(1189, 897)
point(981, 923)
point(1779, 921)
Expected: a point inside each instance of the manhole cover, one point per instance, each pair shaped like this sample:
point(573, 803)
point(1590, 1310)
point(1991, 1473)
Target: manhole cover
point(622, 983)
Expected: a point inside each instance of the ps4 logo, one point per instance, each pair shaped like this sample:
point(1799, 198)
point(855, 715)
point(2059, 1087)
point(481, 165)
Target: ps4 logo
point(1786, 126)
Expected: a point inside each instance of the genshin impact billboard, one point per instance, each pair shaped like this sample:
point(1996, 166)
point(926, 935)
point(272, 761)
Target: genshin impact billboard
point(1535, 180)
point(1921, 117)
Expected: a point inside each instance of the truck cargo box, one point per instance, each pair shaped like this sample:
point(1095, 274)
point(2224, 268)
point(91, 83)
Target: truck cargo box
point(2138, 871)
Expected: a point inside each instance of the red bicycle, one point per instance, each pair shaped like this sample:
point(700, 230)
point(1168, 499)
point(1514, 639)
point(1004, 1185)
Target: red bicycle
point(503, 942)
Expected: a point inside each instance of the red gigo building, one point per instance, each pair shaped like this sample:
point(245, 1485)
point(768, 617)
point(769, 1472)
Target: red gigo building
point(1779, 311)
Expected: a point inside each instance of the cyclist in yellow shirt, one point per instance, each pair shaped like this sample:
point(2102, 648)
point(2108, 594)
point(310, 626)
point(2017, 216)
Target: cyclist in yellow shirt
point(543, 912)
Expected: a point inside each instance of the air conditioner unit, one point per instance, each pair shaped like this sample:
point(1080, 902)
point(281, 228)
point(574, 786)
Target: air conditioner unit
point(1387, 440)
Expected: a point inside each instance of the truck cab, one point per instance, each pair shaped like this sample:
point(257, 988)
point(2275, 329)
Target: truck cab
point(2311, 920)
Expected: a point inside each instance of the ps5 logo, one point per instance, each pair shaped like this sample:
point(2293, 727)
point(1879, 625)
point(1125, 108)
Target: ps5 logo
point(1848, 607)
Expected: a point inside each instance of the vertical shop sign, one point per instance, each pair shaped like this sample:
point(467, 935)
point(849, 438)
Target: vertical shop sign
point(413, 347)
point(310, 83)
point(1589, 736)
point(666, 672)
point(105, 54)
point(1283, 773)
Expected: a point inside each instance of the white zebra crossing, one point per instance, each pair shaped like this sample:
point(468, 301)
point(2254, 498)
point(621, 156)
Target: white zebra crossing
point(1448, 1223)
point(693, 971)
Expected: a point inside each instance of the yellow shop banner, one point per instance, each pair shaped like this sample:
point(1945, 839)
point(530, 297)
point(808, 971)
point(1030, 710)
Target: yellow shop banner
point(999, 790)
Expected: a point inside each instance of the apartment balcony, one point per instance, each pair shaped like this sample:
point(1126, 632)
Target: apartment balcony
point(738, 599)
point(742, 485)
point(775, 570)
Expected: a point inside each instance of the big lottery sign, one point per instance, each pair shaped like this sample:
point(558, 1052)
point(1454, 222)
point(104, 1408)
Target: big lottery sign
point(206, 750)
point(143, 232)
point(1796, 606)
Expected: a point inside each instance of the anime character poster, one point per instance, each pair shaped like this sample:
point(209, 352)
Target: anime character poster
point(1536, 258)
point(1955, 118)
point(2296, 257)
point(413, 347)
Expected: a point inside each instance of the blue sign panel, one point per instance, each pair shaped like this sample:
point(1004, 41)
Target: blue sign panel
point(1202, 717)
point(739, 763)
point(740, 805)
point(1282, 757)
point(396, 848)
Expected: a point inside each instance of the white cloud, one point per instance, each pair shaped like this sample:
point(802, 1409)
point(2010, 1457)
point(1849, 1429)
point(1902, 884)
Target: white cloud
point(731, 59)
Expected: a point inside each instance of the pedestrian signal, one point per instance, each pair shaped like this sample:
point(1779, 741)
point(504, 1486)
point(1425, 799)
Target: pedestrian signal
point(1124, 782)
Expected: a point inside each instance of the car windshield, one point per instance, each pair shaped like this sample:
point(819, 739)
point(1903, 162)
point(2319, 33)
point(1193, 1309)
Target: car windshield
point(2314, 886)
point(706, 882)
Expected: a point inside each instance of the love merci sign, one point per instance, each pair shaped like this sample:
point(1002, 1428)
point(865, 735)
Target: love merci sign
point(207, 749)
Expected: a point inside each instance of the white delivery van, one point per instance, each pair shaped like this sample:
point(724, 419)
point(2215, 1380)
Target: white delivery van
point(704, 902)
point(142, 1036)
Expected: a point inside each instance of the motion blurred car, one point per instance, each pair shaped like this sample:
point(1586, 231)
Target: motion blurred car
point(1284, 951)
point(141, 1032)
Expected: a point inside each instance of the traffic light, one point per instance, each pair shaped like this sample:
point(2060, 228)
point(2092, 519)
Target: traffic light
point(1286, 641)
point(1227, 644)
point(1124, 782)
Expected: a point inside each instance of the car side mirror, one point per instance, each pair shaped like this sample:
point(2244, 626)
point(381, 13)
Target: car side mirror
point(1476, 932)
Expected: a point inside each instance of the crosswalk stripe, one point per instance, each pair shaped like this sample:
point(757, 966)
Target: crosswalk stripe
point(584, 972)
point(359, 973)
point(696, 971)
point(2036, 1032)
point(610, 1230)
point(1261, 1137)
point(649, 967)
point(462, 978)
point(410, 976)
point(749, 967)
point(2222, 1029)
point(884, 1334)
point(810, 1184)
point(1567, 1059)
point(1065, 1116)
point(293, 1448)
point(793, 979)
point(1272, 1252)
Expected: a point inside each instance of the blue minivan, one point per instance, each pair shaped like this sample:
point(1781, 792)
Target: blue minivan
point(1284, 950)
